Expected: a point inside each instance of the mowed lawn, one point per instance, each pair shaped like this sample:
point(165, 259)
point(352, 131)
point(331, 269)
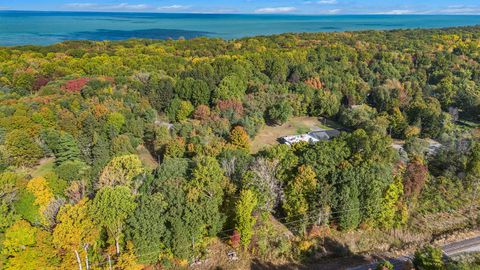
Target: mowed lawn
point(268, 135)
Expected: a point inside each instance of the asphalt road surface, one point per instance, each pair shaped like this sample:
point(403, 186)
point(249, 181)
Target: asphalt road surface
point(464, 246)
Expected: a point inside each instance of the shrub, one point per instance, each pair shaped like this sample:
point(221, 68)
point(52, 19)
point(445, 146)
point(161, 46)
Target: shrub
point(428, 258)
point(71, 170)
point(385, 265)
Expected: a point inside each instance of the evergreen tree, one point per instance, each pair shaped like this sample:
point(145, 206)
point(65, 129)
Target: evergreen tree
point(279, 113)
point(147, 228)
point(373, 181)
point(348, 208)
point(100, 153)
point(67, 149)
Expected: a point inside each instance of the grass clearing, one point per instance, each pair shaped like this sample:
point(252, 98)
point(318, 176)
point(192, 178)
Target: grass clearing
point(45, 166)
point(268, 135)
point(147, 159)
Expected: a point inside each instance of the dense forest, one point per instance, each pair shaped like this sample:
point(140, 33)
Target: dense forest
point(128, 154)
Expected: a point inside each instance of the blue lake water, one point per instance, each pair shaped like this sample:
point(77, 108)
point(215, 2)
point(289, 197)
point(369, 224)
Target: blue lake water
point(41, 28)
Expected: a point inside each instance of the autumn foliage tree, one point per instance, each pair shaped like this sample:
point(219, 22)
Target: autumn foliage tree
point(299, 193)
point(21, 149)
point(97, 110)
point(391, 209)
point(175, 148)
point(29, 247)
point(75, 85)
point(314, 82)
point(416, 175)
point(121, 171)
point(43, 195)
point(75, 232)
point(202, 112)
point(239, 138)
point(244, 218)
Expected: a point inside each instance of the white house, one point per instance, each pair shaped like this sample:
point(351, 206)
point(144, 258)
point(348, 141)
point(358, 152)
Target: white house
point(311, 137)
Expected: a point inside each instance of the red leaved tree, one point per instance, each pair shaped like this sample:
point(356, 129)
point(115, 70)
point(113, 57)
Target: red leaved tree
point(75, 85)
point(235, 239)
point(234, 105)
point(415, 177)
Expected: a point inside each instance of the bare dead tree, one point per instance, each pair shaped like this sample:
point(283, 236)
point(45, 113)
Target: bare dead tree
point(50, 213)
point(229, 166)
point(76, 191)
point(265, 180)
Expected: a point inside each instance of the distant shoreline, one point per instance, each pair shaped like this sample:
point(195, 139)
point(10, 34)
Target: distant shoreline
point(235, 14)
point(47, 27)
point(271, 35)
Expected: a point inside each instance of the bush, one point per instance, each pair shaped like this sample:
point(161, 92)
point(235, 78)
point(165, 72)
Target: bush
point(71, 170)
point(385, 265)
point(428, 258)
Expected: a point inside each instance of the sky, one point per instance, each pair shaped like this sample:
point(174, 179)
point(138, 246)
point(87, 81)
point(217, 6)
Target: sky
point(397, 7)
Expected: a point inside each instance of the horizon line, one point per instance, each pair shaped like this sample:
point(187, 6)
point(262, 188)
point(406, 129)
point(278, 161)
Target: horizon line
point(244, 13)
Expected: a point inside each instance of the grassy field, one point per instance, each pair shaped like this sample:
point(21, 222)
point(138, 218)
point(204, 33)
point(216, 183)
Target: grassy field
point(268, 135)
point(46, 165)
point(146, 157)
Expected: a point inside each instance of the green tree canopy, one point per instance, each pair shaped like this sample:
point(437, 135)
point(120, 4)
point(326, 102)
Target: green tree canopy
point(111, 207)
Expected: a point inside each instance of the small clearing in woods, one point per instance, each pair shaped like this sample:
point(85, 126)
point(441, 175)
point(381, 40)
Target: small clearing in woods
point(45, 166)
point(146, 158)
point(268, 135)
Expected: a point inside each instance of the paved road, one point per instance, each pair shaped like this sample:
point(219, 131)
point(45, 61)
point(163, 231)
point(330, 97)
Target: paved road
point(468, 245)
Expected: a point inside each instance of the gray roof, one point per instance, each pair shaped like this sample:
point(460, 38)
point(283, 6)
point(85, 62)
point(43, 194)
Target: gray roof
point(332, 133)
point(324, 135)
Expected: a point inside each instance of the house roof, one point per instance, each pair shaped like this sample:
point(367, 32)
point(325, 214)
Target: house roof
point(314, 136)
point(325, 134)
point(299, 138)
